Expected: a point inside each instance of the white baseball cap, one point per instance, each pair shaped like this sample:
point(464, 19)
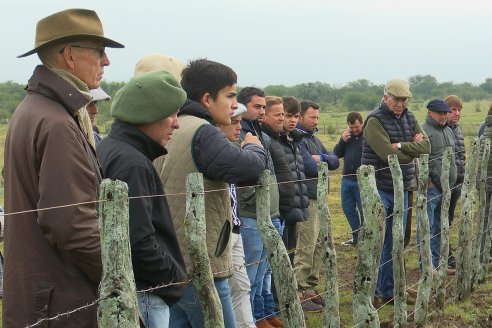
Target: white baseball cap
point(99, 94)
point(241, 109)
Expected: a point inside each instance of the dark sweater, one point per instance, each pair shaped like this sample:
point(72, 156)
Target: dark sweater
point(351, 151)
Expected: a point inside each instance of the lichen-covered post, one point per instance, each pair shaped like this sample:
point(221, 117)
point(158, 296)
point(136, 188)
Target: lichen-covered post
point(118, 307)
point(370, 242)
point(425, 283)
point(400, 317)
point(488, 227)
point(202, 277)
point(445, 200)
point(478, 275)
point(464, 250)
point(288, 301)
point(331, 313)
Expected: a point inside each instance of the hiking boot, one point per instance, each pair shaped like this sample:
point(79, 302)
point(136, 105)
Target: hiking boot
point(275, 321)
point(315, 297)
point(380, 302)
point(451, 261)
point(349, 242)
point(450, 271)
point(412, 292)
point(264, 324)
point(308, 305)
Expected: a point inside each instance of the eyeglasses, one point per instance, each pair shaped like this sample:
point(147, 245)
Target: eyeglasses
point(101, 51)
point(399, 99)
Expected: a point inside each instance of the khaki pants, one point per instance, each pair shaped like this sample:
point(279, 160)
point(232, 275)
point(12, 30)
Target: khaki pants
point(307, 262)
point(240, 288)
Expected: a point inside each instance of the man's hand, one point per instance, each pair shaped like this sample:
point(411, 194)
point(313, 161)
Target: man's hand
point(317, 158)
point(251, 139)
point(418, 137)
point(346, 135)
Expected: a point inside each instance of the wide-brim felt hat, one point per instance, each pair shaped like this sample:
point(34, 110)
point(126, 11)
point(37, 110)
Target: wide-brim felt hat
point(70, 25)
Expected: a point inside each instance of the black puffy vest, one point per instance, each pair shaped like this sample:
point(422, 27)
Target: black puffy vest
point(399, 129)
point(290, 144)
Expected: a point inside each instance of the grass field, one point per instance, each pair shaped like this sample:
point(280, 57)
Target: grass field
point(474, 312)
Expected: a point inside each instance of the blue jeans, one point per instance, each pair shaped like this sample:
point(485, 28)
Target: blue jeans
point(266, 293)
point(154, 311)
point(385, 282)
point(188, 311)
point(254, 252)
point(434, 215)
point(352, 205)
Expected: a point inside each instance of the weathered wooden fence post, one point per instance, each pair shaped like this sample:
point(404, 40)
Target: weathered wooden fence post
point(119, 307)
point(445, 200)
point(331, 313)
point(371, 237)
point(464, 250)
point(425, 283)
point(288, 301)
point(478, 268)
point(488, 228)
point(400, 317)
point(202, 276)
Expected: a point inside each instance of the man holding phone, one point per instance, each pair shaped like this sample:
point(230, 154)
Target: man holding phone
point(350, 148)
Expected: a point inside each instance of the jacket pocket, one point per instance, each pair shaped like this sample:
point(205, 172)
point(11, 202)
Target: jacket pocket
point(42, 301)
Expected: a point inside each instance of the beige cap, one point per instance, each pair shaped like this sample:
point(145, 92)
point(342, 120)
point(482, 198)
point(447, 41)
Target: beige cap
point(158, 62)
point(398, 88)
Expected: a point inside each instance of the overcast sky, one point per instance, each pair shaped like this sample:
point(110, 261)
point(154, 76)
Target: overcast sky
point(278, 41)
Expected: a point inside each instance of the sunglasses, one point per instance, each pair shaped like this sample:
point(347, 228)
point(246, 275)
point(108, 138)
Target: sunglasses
point(101, 51)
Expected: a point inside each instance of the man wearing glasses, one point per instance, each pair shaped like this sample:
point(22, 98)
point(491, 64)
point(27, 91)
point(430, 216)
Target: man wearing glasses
point(392, 129)
point(53, 257)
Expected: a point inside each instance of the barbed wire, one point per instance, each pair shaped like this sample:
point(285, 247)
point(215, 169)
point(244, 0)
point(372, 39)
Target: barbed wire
point(330, 173)
point(236, 268)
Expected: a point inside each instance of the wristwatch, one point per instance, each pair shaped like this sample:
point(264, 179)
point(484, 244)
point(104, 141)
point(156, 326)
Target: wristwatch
point(398, 145)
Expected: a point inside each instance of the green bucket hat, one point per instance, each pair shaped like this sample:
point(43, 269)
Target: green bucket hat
point(148, 98)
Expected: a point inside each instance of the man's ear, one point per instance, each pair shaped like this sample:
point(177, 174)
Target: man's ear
point(206, 99)
point(68, 60)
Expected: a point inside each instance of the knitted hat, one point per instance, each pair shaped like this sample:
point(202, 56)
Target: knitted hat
point(398, 88)
point(155, 62)
point(437, 105)
point(148, 98)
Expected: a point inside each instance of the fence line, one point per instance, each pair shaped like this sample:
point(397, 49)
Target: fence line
point(332, 173)
point(95, 302)
point(100, 299)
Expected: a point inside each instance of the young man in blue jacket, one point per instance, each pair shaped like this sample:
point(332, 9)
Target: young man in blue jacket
point(199, 146)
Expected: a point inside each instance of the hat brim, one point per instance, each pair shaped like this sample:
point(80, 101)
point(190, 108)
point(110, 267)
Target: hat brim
point(78, 37)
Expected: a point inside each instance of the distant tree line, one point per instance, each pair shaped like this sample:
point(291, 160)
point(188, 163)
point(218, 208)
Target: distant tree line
point(360, 95)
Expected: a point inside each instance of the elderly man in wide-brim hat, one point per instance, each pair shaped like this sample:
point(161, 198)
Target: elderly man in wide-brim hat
point(52, 252)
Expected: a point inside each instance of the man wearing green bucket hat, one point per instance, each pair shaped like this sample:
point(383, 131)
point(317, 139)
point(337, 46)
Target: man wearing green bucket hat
point(145, 112)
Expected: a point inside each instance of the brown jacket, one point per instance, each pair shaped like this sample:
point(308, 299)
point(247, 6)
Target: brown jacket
point(52, 257)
